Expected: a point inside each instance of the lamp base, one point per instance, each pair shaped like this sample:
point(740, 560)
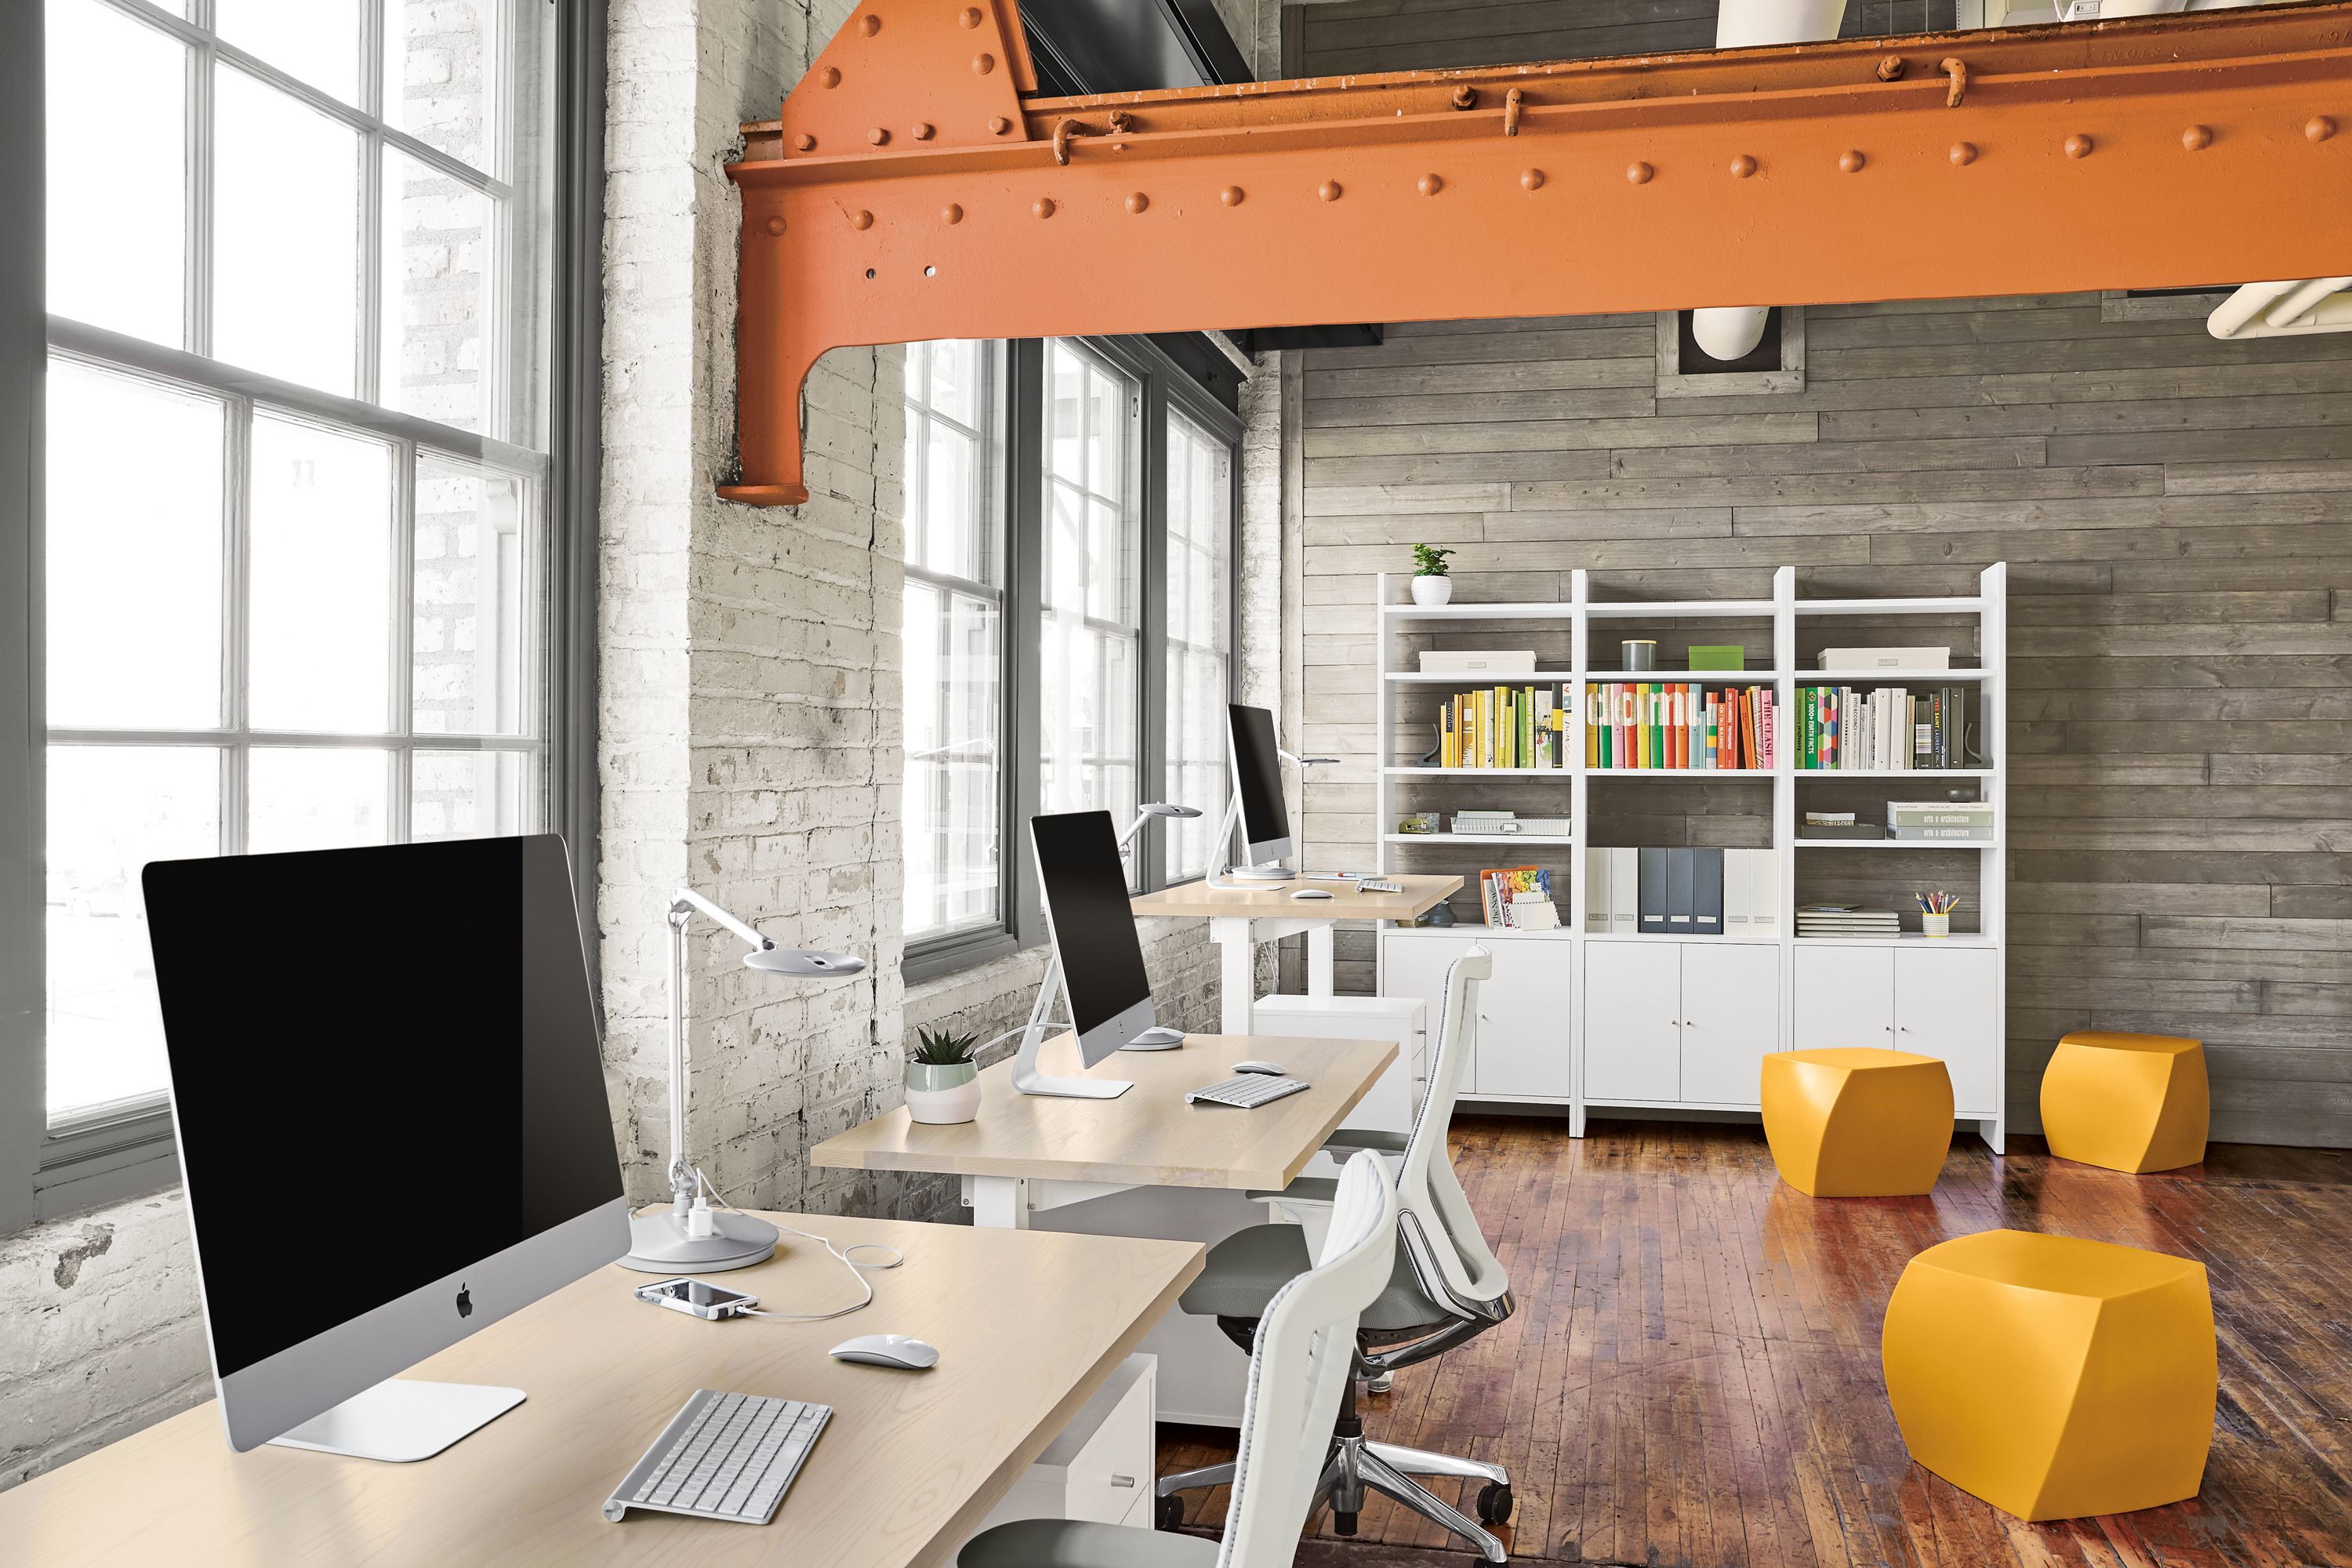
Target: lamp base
point(1159, 1038)
point(658, 1244)
point(1268, 873)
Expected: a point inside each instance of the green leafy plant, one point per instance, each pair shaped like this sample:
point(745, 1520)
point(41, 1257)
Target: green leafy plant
point(943, 1048)
point(1428, 561)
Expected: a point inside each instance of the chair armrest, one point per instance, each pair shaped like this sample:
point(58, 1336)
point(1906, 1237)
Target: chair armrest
point(1367, 1138)
point(1305, 1190)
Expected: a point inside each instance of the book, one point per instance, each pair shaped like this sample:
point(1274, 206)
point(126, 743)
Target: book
point(1631, 725)
point(1503, 727)
point(1883, 729)
point(1500, 890)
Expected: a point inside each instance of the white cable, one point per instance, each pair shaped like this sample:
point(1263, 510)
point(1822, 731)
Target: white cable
point(857, 1269)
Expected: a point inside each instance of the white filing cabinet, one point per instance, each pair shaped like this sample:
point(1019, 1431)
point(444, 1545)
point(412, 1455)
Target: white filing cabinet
point(1102, 1465)
point(1521, 1050)
point(1389, 1105)
point(1935, 1001)
point(1679, 1023)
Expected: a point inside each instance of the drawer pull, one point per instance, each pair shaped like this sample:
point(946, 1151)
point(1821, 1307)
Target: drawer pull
point(1120, 1480)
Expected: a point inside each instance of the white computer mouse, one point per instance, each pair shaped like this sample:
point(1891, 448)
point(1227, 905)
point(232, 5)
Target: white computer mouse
point(1267, 1067)
point(1310, 893)
point(887, 1350)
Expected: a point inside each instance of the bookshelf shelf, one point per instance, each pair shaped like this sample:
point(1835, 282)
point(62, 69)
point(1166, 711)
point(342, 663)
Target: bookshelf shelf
point(1597, 1040)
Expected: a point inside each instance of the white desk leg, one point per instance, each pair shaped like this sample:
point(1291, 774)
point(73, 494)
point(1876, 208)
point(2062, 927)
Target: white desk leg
point(1000, 1203)
point(1237, 973)
point(1318, 960)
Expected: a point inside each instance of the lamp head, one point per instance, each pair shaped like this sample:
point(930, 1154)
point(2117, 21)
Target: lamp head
point(803, 962)
point(1162, 808)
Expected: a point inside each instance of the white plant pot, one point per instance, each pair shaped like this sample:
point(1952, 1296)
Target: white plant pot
point(1430, 591)
point(959, 1101)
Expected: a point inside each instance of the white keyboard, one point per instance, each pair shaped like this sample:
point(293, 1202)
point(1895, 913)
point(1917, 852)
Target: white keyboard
point(723, 1455)
point(1246, 1092)
point(1379, 885)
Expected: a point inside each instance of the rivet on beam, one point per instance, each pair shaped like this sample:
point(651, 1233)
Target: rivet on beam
point(776, 226)
point(1328, 190)
point(1963, 154)
point(1532, 180)
point(1742, 166)
point(998, 125)
point(1851, 160)
point(2078, 145)
point(1136, 201)
point(1639, 173)
point(878, 136)
point(983, 63)
point(922, 131)
point(970, 17)
point(1430, 185)
point(952, 213)
point(861, 218)
point(1121, 122)
point(2319, 128)
point(1466, 97)
point(1043, 207)
point(804, 142)
point(1890, 68)
point(1231, 195)
point(2197, 138)
point(829, 76)
point(869, 24)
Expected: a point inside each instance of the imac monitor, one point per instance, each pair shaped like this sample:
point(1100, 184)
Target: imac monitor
point(390, 1102)
point(1093, 927)
point(1257, 783)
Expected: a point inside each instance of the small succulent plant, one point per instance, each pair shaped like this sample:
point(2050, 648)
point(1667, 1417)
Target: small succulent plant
point(1428, 561)
point(943, 1048)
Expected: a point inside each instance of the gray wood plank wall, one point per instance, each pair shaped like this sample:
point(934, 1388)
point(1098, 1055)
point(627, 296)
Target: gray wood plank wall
point(2174, 509)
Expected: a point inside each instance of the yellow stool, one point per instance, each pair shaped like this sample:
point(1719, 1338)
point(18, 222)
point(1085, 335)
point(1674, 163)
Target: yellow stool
point(2054, 1378)
point(2131, 1103)
point(1857, 1123)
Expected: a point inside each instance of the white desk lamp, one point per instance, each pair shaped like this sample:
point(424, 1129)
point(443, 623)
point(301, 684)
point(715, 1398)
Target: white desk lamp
point(1026, 1075)
point(692, 1237)
point(1248, 874)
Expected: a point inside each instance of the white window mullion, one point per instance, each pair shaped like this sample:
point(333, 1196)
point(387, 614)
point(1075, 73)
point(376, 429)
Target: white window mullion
point(400, 723)
point(237, 641)
point(196, 265)
point(368, 361)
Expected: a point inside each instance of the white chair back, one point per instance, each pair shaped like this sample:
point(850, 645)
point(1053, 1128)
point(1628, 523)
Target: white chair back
point(1306, 1353)
point(1441, 1233)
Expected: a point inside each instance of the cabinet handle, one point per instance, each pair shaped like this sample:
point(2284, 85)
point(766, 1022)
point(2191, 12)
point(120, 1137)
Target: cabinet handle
point(1888, 1028)
point(1118, 1480)
point(1906, 1028)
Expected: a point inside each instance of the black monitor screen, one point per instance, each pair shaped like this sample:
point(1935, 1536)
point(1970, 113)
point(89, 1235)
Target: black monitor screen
point(1093, 925)
point(1257, 774)
point(385, 1067)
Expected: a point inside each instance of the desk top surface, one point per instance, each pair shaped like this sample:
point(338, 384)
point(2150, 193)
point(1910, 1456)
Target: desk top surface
point(1148, 1136)
point(1273, 901)
point(1028, 1325)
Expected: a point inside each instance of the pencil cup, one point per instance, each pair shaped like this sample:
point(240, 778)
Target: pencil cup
point(1936, 925)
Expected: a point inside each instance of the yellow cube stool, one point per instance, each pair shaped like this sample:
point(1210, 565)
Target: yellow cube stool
point(1857, 1123)
point(2129, 1102)
point(2054, 1378)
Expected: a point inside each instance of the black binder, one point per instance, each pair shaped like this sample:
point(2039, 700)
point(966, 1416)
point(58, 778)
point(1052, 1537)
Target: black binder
point(1706, 892)
point(1680, 867)
point(1652, 889)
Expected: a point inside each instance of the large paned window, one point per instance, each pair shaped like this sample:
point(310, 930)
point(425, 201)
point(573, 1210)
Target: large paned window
point(296, 554)
point(1068, 646)
point(954, 649)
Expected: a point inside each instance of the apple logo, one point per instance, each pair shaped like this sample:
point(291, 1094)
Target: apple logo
point(465, 1300)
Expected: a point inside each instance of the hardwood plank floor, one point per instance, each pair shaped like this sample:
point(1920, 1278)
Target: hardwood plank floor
point(1692, 1376)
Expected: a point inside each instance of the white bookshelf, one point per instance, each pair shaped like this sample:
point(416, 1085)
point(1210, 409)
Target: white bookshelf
point(1830, 988)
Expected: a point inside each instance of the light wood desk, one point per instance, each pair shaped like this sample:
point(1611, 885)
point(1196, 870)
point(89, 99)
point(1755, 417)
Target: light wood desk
point(1025, 1152)
point(1027, 1327)
point(1241, 919)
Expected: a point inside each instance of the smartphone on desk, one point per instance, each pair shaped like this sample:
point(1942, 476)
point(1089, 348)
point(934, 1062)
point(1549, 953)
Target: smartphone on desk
point(698, 1298)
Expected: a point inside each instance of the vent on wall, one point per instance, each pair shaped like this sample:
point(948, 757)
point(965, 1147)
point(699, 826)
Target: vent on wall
point(1777, 362)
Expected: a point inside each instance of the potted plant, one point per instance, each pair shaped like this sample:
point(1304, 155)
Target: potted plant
point(942, 1078)
point(1431, 585)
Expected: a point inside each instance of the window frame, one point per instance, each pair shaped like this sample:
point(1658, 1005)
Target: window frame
point(112, 1152)
point(1021, 488)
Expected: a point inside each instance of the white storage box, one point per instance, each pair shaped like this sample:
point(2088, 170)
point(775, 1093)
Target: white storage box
point(1887, 659)
point(1511, 826)
point(1490, 661)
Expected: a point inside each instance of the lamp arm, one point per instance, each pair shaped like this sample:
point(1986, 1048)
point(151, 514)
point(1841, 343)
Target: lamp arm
point(681, 1169)
point(687, 899)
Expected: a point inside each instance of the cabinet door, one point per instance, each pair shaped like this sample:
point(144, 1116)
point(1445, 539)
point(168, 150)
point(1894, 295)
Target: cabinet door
point(1944, 1007)
point(1732, 1017)
point(1415, 966)
point(1633, 1029)
point(1523, 1019)
point(1845, 996)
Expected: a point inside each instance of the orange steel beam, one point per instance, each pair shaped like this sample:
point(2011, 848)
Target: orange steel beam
point(913, 191)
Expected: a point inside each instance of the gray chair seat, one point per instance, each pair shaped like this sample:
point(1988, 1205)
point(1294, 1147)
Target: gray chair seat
point(1247, 1267)
point(1079, 1544)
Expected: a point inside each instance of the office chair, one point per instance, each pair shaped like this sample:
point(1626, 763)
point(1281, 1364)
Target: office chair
point(1444, 1288)
point(1299, 1374)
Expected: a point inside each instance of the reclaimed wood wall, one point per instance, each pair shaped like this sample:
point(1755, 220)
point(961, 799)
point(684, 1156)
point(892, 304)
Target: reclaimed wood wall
point(2176, 516)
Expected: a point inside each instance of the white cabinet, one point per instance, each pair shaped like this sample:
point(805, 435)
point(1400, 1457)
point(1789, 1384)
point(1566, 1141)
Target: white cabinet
point(1731, 1018)
point(1935, 1001)
point(1101, 1466)
point(1521, 1049)
point(1633, 1020)
point(1679, 1023)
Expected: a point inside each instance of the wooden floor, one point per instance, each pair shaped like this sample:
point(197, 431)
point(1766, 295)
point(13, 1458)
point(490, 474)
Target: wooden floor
point(1692, 1376)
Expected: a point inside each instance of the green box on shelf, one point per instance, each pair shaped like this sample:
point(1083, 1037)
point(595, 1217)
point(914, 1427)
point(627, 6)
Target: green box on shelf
point(1716, 657)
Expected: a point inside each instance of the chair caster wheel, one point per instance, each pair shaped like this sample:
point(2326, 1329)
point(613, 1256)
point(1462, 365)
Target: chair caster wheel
point(1384, 1383)
point(1168, 1513)
point(1494, 1503)
point(1342, 1523)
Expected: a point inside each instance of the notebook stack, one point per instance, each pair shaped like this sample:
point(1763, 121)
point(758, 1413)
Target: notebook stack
point(1846, 919)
